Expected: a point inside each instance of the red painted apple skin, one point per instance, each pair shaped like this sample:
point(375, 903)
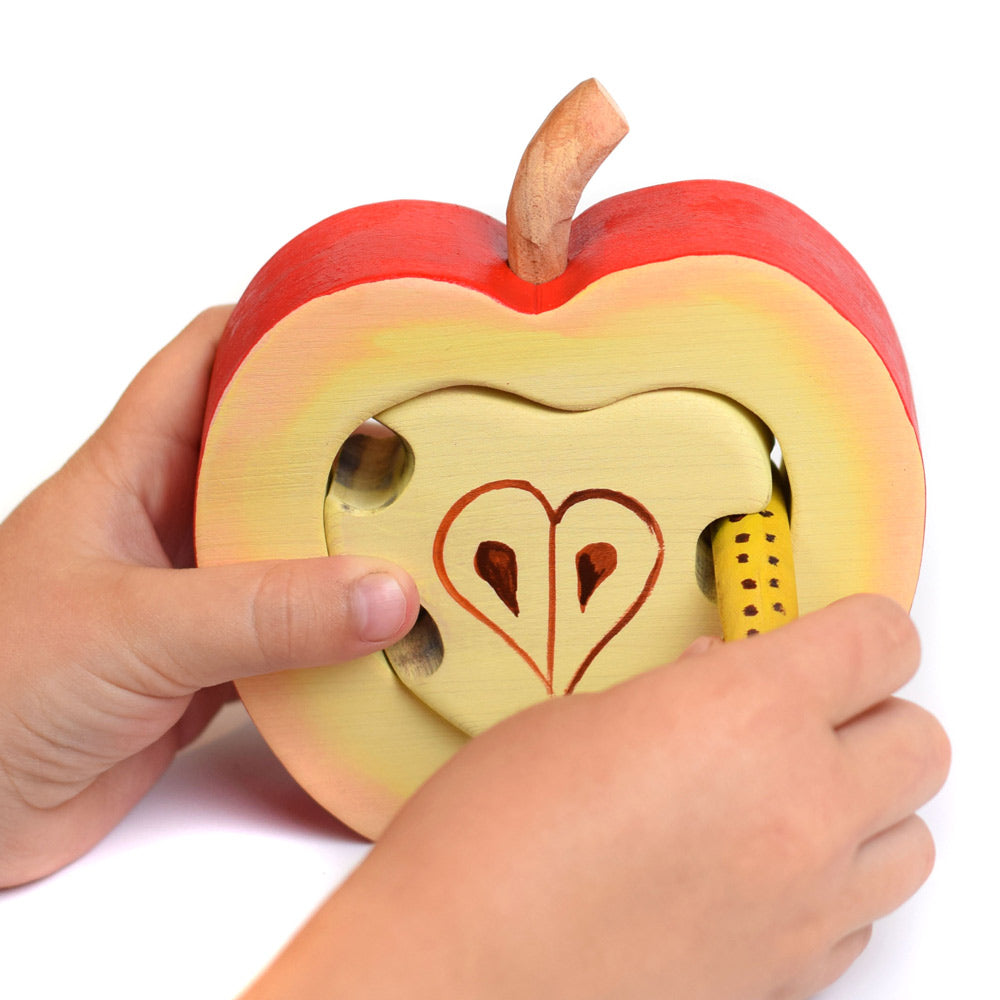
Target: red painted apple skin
point(458, 245)
point(360, 761)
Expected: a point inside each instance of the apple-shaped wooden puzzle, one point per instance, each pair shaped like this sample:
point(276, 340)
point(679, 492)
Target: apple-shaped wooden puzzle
point(567, 432)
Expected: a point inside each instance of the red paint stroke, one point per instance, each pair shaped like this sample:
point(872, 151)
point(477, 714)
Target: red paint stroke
point(496, 563)
point(555, 516)
point(594, 564)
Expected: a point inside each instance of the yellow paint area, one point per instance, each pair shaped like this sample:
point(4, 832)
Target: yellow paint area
point(359, 739)
point(685, 457)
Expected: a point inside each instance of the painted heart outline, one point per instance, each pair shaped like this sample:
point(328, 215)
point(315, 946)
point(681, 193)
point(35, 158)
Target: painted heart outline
point(593, 562)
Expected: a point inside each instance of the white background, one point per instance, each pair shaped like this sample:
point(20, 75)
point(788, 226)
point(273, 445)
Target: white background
point(154, 156)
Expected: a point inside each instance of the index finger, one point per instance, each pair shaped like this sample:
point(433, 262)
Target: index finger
point(167, 398)
point(851, 655)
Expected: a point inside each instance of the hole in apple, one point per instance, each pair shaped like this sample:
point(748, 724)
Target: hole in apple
point(370, 471)
point(704, 564)
point(781, 475)
point(420, 652)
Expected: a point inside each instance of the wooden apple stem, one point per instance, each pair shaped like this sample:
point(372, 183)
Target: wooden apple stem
point(565, 152)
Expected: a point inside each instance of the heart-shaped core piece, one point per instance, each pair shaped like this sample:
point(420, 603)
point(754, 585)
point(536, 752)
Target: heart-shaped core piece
point(522, 598)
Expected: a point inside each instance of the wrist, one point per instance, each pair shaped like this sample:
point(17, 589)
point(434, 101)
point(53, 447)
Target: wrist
point(379, 935)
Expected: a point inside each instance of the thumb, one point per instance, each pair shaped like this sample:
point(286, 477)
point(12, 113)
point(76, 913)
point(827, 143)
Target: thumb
point(205, 626)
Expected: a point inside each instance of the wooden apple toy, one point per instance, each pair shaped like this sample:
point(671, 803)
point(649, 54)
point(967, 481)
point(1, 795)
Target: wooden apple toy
point(546, 424)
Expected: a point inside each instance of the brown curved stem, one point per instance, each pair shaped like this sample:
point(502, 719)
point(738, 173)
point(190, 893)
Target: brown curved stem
point(565, 152)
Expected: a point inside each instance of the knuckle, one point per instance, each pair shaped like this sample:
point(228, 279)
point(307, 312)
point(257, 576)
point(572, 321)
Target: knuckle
point(281, 617)
point(869, 633)
point(212, 317)
point(889, 625)
point(807, 833)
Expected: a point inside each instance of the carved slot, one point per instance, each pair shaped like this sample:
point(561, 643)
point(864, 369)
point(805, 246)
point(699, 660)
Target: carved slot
point(371, 470)
point(420, 652)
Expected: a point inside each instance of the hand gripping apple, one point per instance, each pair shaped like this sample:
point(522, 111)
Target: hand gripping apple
point(547, 454)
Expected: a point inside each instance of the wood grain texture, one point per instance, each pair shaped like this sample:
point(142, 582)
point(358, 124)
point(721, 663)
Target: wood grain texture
point(645, 475)
point(442, 242)
point(407, 312)
point(573, 141)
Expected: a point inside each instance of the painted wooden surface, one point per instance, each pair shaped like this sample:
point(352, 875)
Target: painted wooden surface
point(547, 443)
point(356, 737)
point(421, 239)
point(554, 551)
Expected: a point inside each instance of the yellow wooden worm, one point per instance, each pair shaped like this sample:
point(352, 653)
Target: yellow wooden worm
point(754, 570)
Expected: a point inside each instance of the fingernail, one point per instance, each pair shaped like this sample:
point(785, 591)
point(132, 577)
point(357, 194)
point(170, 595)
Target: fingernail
point(379, 607)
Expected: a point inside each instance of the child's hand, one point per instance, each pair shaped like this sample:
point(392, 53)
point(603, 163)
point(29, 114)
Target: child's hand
point(725, 827)
point(111, 659)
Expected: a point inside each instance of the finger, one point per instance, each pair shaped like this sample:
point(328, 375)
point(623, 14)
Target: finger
point(899, 756)
point(149, 445)
point(204, 707)
point(850, 655)
point(839, 959)
point(890, 868)
point(202, 627)
point(167, 397)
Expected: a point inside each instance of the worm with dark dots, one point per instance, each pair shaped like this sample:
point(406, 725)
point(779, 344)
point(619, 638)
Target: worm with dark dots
point(754, 572)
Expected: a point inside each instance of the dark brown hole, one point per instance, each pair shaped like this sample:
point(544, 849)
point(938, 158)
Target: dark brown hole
point(420, 652)
point(370, 471)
